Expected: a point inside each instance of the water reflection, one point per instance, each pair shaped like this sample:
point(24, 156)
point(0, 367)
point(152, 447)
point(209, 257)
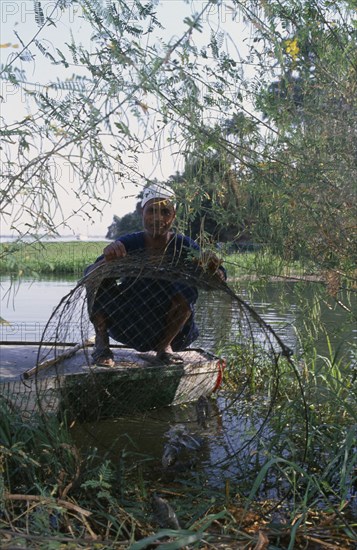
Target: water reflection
point(28, 305)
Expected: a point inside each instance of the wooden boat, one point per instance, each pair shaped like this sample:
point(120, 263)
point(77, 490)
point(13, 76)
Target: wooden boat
point(74, 387)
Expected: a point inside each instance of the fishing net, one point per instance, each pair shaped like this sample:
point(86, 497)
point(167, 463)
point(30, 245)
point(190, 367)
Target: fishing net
point(213, 390)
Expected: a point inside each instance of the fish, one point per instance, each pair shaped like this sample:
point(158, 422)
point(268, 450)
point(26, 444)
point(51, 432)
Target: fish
point(191, 442)
point(179, 441)
point(180, 437)
point(202, 411)
point(170, 455)
point(164, 513)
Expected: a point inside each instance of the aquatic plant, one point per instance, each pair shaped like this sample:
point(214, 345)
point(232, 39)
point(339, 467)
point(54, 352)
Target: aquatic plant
point(51, 258)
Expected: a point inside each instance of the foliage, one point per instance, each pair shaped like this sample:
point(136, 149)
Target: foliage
point(286, 177)
point(208, 195)
point(36, 258)
point(310, 173)
point(129, 223)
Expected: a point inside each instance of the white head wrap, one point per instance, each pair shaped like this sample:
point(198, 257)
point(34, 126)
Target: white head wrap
point(158, 191)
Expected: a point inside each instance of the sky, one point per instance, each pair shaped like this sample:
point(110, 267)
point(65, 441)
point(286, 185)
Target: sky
point(18, 18)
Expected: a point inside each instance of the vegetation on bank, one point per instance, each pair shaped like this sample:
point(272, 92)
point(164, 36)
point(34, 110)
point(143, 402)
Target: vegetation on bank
point(51, 258)
point(71, 258)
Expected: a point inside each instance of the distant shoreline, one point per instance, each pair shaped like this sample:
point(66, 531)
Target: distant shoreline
point(4, 239)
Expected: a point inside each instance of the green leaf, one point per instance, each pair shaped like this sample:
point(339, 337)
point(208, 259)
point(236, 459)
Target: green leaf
point(193, 23)
point(122, 128)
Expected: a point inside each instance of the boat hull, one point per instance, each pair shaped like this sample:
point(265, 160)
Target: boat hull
point(85, 392)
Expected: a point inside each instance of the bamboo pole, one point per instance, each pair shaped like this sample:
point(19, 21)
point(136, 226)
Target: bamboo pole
point(65, 355)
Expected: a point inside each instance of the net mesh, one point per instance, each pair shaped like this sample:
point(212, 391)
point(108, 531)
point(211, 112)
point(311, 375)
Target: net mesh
point(235, 352)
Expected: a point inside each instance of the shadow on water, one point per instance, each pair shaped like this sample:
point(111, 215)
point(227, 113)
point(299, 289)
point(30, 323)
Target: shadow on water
point(142, 439)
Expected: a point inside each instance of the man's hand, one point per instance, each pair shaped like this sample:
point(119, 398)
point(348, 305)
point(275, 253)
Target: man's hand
point(114, 251)
point(211, 262)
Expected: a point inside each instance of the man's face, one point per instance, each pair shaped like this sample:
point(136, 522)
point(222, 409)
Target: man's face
point(158, 216)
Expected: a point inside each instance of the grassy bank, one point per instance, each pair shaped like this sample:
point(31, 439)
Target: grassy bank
point(70, 258)
point(265, 265)
point(57, 258)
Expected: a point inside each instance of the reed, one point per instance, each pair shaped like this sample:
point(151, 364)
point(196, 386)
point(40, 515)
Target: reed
point(264, 264)
point(53, 258)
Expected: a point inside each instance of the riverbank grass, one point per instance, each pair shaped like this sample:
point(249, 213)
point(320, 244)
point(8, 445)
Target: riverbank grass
point(52, 258)
point(71, 258)
point(263, 264)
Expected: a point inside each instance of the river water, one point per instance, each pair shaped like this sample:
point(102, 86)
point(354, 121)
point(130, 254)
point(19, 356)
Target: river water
point(26, 306)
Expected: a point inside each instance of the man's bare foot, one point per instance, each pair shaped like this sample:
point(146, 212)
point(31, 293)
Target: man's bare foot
point(103, 357)
point(105, 362)
point(169, 358)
